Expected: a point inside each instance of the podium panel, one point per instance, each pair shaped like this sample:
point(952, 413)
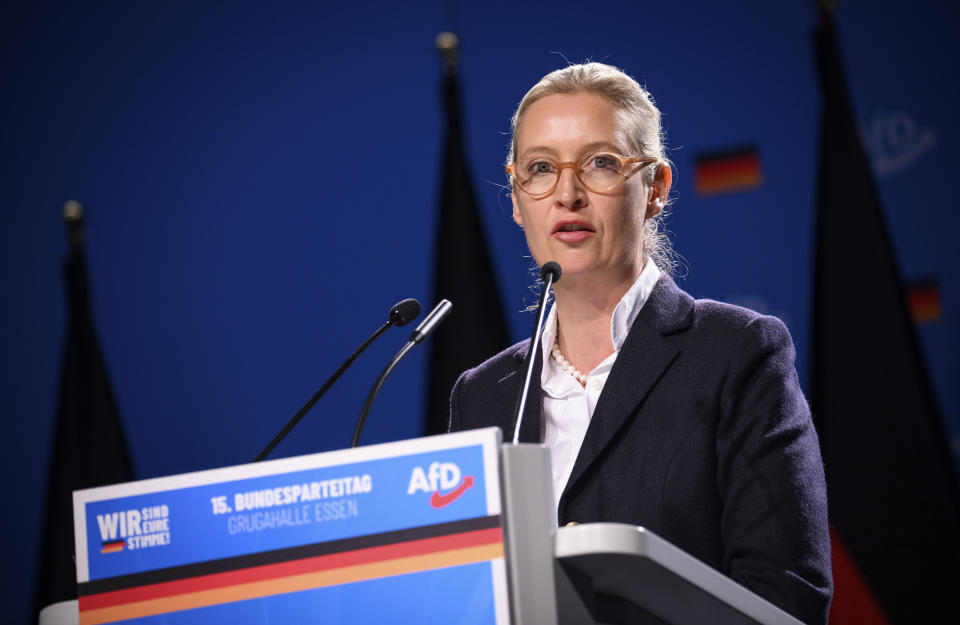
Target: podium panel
point(658, 582)
point(400, 532)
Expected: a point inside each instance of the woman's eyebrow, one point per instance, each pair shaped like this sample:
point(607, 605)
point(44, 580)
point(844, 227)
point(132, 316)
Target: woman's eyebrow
point(538, 149)
point(596, 145)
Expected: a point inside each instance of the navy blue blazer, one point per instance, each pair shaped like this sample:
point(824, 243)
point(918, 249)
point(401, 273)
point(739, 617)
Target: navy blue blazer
point(702, 435)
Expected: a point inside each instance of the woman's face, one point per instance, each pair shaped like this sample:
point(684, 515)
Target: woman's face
point(587, 233)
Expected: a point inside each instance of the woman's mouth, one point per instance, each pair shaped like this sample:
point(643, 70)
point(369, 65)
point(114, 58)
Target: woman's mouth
point(572, 231)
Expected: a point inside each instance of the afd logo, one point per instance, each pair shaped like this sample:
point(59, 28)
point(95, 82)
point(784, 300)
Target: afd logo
point(439, 476)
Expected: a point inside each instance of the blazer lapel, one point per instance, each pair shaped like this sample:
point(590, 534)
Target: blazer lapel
point(643, 358)
point(510, 387)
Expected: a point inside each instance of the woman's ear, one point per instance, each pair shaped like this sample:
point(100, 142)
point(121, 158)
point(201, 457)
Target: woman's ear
point(516, 210)
point(659, 190)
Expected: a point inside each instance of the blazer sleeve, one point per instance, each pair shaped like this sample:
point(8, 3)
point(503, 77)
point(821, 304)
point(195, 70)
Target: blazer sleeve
point(770, 477)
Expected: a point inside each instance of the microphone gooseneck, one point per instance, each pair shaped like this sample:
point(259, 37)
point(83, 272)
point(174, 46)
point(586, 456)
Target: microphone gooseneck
point(426, 327)
point(400, 314)
point(549, 273)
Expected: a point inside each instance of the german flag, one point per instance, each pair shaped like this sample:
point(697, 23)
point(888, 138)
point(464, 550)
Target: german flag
point(479, 329)
point(894, 493)
point(728, 171)
point(923, 296)
point(289, 570)
point(112, 546)
point(89, 446)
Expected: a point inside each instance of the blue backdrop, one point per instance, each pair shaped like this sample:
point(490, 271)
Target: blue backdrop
point(261, 182)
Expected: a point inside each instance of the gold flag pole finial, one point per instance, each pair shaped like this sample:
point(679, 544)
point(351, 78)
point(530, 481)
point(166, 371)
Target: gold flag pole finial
point(448, 44)
point(73, 216)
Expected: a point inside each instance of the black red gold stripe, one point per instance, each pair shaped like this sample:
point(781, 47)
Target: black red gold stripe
point(290, 570)
point(113, 546)
point(736, 169)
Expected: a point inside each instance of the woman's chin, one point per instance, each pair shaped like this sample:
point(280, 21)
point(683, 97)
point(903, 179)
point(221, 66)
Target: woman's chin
point(577, 269)
point(595, 271)
point(570, 260)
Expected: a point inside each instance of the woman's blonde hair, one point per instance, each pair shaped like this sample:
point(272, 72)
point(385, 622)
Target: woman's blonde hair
point(639, 118)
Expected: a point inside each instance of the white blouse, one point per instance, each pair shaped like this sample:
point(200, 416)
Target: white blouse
point(567, 406)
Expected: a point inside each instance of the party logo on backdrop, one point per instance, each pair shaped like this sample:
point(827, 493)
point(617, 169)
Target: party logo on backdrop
point(896, 141)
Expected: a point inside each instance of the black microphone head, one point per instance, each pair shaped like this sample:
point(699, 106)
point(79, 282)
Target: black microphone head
point(404, 312)
point(550, 268)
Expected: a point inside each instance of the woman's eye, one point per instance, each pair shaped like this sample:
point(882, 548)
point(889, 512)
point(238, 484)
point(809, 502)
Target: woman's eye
point(540, 167)
point(604, 161)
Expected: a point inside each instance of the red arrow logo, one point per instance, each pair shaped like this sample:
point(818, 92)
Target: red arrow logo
point(438, 501)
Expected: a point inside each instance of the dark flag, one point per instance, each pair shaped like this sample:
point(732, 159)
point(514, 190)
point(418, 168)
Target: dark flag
point(89, 448)
point(463, 272)
point(893, 488)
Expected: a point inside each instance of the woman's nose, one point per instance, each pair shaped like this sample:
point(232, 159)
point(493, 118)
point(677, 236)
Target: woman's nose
point(570, 191)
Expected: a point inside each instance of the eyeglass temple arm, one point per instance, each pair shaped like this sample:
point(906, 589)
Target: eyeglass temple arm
point(648, 160)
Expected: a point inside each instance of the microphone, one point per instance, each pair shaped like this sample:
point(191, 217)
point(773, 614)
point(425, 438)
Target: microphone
point(404, 312)
point(430, 323)
point(549, 273)
point(400, 314)
point(426, 327)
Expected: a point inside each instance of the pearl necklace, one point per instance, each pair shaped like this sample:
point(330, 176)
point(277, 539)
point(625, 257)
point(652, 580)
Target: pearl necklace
point(565, 364)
